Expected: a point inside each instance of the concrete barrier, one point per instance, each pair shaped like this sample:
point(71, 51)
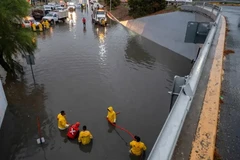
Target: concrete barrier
point(167, 139)
point(205, 138)
point(200, 10)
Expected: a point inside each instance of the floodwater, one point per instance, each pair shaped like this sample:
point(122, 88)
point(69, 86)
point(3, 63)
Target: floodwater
point(83, 71)
point(228, 139)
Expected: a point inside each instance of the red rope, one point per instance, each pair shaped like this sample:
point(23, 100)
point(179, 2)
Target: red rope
point(123, 129)
point(39, 127)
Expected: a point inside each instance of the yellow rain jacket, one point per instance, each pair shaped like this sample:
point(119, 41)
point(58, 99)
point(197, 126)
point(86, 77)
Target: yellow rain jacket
point(40, 27)
point(47, 24)
point(111, 116)
point(85, 137)
point(137, 147)
point(34, 27)
point(61, 121)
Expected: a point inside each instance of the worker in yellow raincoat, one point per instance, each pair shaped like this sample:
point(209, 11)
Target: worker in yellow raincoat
point(47, 24)
point(34, 27)
point(62, 121)
point(43, 24)
point(85, 136)
point(111, 116)
point(137, 147)
point(40, 26)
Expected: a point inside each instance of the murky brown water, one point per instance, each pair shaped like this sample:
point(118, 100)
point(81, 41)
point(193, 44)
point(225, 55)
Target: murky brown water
point(83, 72)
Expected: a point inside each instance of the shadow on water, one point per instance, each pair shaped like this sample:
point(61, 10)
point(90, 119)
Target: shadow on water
point(63, 135)
point(19, 130)
point(110, 128)
point(86, 148)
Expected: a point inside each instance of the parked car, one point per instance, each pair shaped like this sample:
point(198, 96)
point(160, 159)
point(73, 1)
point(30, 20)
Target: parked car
point(61, 9)
point(28, 21)
point(93, 1)
point(53, 5)
point(97, 6)
point(56, 16)
point(47, 9)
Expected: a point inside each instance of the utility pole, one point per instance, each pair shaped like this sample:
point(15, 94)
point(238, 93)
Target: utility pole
point(30, 61)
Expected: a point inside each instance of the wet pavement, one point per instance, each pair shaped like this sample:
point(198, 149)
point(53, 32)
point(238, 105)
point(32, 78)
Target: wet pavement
point(83, 71)
point(228, 138)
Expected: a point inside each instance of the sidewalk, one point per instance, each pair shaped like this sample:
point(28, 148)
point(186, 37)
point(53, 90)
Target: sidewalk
point(228, 138)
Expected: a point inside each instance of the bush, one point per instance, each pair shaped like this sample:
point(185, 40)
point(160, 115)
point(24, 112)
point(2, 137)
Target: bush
point(139, 8)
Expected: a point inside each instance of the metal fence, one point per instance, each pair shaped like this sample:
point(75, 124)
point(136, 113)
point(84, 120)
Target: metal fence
point(165, 144)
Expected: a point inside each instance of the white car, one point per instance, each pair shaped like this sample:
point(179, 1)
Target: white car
point(56, 16)
point(93, 1)
point(71, 6)
point(61, 9)
point(97, 6)
point(28, 21)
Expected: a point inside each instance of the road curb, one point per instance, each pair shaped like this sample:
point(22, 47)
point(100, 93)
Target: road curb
point(203, 146)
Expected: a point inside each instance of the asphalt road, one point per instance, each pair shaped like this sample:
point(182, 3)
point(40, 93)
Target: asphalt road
point(83, 71)
point(228, 138)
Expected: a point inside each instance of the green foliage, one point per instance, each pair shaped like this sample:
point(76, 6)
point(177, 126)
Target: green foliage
point(139, 8)
point(115, 3)
point(14, 39)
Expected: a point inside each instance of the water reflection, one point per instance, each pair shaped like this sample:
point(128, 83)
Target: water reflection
point(45, 34)
point(19, 129)
point(72, 19)
point(136, 54)
point(100, 33)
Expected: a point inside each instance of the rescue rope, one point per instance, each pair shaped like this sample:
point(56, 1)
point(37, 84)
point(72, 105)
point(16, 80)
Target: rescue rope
point(121, 128)
point(125, 130)
point(39, 128)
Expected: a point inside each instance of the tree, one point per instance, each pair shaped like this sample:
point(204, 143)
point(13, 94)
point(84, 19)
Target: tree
point(114, 4)
point(139, 8)
point(14, 40)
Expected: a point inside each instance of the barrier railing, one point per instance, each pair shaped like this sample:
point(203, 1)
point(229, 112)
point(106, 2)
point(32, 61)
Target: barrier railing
point(165, 144)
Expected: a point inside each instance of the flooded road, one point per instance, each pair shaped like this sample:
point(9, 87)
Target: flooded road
point(83, 72)
point(228, 140)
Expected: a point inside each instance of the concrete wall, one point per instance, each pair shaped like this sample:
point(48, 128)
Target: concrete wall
point(168, 30)
point(200, 10)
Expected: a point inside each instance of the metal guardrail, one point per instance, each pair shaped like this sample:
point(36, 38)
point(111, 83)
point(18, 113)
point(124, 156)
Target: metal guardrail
point(165, 144)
